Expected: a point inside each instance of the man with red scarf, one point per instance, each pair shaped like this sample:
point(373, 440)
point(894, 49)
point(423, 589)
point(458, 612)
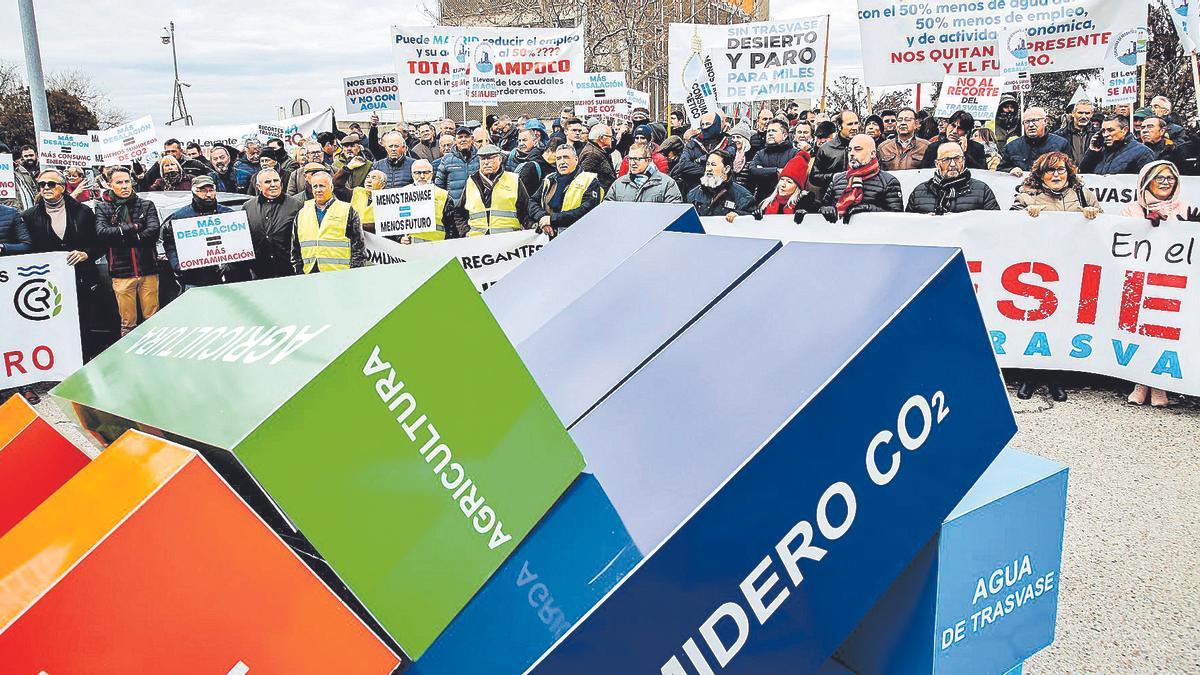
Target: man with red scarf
point(863, 187)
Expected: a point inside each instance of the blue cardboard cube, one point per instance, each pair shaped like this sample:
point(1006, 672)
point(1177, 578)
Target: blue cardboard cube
point(982, 596)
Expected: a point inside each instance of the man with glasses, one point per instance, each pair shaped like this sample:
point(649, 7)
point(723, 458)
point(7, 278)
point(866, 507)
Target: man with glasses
point(422, 172)
point(957, 129)
point(128, 225)
point(906, 150)
point(889, 123)
point(1115, 151)
point(313, 154)
point(1079, 129)
point(644, 182)
point(204, 203)
point(1162, 108)
point(596, 156)
point(426, 146)
point(272, 219)
point(1153, 133)
point(397, 165)
point(1020, 153)
point(952, 189)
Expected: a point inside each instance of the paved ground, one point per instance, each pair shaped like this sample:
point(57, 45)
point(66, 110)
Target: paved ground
point(1130, 584)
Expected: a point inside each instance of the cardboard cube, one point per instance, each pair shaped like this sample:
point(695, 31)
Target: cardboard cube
point(982, 596)
point(381, 409)
point(146, 561)
point(781, 456)
point(35, 460)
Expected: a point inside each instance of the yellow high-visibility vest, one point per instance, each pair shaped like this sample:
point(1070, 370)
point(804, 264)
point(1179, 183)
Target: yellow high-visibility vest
point(501, 215)
point(439, 205)
point(324, 243)
point(575, 191)
point(361, 202)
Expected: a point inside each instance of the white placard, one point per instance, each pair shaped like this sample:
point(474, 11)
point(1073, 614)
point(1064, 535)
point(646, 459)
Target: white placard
point(65, 150)
point(8, 178)
point(1126, 52)
point(486, 259)
point(136, 140)
point(602, 95)
point(906, 41)
point(1013, 48)
point(638, 99)
point(371, 93)
point(216, 239)
point(405, 210)
point(978, 95)
point(39, 319)
point(770, 60)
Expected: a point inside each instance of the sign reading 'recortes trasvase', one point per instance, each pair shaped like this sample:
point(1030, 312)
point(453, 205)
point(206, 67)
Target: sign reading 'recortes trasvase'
point(214, 239)
point(414, 476)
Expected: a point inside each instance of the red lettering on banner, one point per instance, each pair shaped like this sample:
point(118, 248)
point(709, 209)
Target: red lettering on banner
point(975, 267)
point(1134, 300)
point(1011, 281)
point(1089, 294)
point(47, 353)
point(12, 361)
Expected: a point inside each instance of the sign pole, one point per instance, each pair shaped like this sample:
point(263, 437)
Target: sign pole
point(1196, 80)
point(464, 111)
point(918, 105)
point(825, 71)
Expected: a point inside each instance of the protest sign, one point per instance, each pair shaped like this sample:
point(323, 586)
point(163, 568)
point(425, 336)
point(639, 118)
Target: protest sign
point(1125, 53)
point(371, 93)
point(8, 177)
point(65, 150)
point(39, 319)
point(136, 140)
point(210, 135)
point(406, 210)
point(1013, 50)
point(431, 62)
point(910, 41)
point(979, 96)
point(1180, 16)
point(602, 95)
point(486, 259)
point(699, 97)
point(205, 241)
point(293, 131)
point(523, 64)
point(638, 99)
point(1109, 296)
point(770, 60)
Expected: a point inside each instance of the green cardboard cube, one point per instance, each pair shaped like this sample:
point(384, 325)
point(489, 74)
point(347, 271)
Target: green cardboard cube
point(382, 410)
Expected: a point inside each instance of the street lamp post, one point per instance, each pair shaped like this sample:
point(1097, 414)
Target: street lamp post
point(179, 111)
point(33, 67)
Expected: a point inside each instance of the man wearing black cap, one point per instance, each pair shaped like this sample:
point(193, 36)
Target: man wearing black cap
point(493, 200)
point(204, 203)
point(459, 164)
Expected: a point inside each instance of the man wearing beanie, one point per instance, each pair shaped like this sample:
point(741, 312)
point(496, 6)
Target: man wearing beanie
point(643, 135)
point(204, 203)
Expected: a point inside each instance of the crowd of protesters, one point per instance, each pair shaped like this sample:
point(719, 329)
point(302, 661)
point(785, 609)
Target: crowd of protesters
point(308, 208)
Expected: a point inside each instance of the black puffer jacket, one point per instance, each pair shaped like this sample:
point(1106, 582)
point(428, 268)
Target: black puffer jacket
point(828, 161)
point(975, 195)
point(132, 243)
point(766, 165)
point(880, 192)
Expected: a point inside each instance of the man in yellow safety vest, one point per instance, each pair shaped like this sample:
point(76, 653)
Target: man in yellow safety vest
point(493, 201)
point(362, 199)
point(328, 230)
point(566, 196)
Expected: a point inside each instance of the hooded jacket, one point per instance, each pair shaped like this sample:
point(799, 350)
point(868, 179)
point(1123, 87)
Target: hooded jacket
point(690, 167)
point(1006, 130)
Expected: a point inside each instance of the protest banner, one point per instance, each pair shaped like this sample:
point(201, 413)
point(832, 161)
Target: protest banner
point(1180, 17)
point(210, 135)
point(8, 177)
point(136, 140)
point(910, 41)
point(770, 60)
point(296, 131)
point(39, 319)
point(486, 259)
point(1013, 49)
point(406, 210)
point(523, 64)
point(697, 77)
point(1125, 53)
point(431, 62)
point(1109, 296)
point(293, 131)
point(65, 150)
point(1113, 193)
point(371, 93)
point(638, 99)
point(602, 95)
point(977, 95)
point(220, 238)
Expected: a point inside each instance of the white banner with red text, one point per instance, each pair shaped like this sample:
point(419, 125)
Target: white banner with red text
point(1111, 296)
point(39, 320)
point(486, 259)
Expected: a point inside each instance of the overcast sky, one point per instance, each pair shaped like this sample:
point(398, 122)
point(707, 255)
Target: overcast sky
point(245, 59)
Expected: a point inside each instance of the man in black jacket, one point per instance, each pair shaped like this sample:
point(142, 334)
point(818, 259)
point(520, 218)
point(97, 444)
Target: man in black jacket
point(958, 131)
point(204, 203)
point(952, 189)
point(718, 194)
point(1079, 130)
point(565, 196)
point(129, 226)
point(863, 187)
point(831, 156)
point(1154, 136)
point(272, 218)
point(769, 162)
point(1021, 153)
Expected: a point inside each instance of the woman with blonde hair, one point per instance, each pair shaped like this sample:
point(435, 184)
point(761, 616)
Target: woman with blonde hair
point(171, 176)
point(1159, 201)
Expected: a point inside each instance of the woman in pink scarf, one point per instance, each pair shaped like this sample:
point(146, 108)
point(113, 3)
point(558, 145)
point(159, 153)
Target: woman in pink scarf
point(1158, 200)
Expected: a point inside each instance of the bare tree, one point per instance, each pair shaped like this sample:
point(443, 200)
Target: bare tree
point(846, 93)
point(79, 85)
